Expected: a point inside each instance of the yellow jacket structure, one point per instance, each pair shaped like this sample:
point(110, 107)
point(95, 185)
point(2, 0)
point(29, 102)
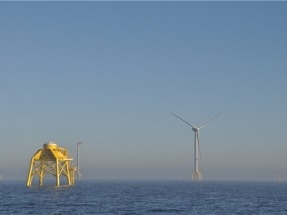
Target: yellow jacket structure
point(51, 160)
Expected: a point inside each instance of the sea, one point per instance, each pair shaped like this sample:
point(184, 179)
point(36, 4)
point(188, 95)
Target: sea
point(145, 197)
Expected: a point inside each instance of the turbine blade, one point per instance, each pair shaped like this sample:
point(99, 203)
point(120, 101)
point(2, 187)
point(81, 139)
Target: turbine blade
point(185, 121)
point(209, 120)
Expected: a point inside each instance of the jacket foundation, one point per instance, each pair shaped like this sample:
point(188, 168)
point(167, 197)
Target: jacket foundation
point(51, 160)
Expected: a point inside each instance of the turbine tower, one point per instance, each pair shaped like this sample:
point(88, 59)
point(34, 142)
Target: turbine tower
point(196, 174)
point(78, 160)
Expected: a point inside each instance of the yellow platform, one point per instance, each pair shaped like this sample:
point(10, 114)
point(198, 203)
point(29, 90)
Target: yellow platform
point(51, 160)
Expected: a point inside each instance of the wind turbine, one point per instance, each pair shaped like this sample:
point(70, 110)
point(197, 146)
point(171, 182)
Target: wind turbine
point(196, 174)
point(78, 160)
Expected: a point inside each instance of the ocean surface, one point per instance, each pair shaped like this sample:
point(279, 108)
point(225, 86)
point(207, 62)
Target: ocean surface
point(145, 197)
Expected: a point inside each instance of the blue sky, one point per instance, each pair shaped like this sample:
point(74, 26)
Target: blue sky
point(110, 73)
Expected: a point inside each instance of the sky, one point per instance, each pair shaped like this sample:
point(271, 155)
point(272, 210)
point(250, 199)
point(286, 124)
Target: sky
point(110, 73)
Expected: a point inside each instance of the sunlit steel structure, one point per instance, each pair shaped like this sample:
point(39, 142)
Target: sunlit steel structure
point(51, 160)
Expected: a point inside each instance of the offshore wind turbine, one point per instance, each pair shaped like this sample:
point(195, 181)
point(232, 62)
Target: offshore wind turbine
point(196, 174)
point(79, 175)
